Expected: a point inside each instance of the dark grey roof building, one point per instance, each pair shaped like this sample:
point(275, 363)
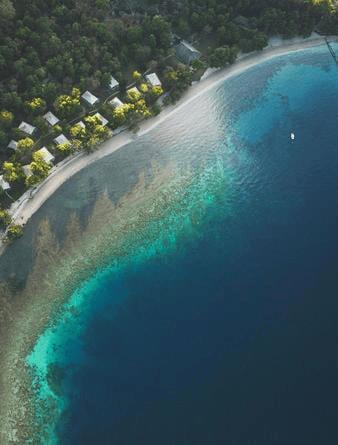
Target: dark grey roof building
point(186, 53)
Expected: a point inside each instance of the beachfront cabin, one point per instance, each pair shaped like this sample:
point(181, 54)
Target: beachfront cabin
point(81, 124)
point(113, 84)
point(134, 89)
point(133, 94)
point(61, 139)
point(116, 102)
point(27, 129)
point(89, 99)
point(153, 79)
point(51, 118)
point(186, 53)
point(104, 121)
point(46, 155)
point(4, 184)
point(27, 171)
point(13, 145)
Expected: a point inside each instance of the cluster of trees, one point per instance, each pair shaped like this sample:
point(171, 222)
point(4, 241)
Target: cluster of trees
point(46, 47)
point(14, 172)
point(176, 81)
point(87, 137)
point(50, 51)
point(39, 168)
point(68, 104)
point(13, 230)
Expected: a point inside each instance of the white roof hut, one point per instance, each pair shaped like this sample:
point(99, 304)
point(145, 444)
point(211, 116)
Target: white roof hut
point(113, 83)
point(28, 172)
point(61, 139)
point(134, 89)
point(186, 53)
point(27, 128)
point(81, 124)
point(46, 155)
point(13, 145)
point(89, 98)
point(153, 79)
point(116, 102)
point(51, 118)
point(4, 184)
point(104, 121)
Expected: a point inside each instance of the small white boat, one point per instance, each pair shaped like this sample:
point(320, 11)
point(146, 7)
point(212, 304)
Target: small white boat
point(292, 136)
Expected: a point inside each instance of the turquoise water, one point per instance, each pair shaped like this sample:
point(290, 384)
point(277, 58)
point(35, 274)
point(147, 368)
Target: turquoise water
point(220, 324)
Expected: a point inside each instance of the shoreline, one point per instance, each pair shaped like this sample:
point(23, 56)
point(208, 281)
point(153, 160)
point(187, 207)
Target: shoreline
point(17, 368)
point(23, 209)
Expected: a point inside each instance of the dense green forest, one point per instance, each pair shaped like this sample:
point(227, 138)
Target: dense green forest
point(51, 51)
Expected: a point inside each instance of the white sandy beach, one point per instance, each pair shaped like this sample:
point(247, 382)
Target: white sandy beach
point(22, 210)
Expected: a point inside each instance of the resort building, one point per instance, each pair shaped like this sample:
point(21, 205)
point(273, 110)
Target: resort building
point(61, 139)
point(81, 124)
point(27, 128)
point(133, 89)
point(46, 155)
point(4, 184)
point(116, 102)
point(186, 53)
point(113, 84)
point(27, 171)
point(103, 119)
point(89, 99)
point(153, 79)
point(51, 118)
point(13, 145)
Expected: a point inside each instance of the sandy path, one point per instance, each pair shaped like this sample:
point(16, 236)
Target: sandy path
point(31, 201)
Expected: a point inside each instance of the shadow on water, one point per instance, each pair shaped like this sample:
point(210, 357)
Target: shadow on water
point(117, 173)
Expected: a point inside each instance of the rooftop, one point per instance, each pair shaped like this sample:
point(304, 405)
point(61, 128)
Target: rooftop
point(51, 118)
point(4, 184)
point(103, 119)
point(113, 83)
point(153, 79)
point(134, 89)
point(46, 155)
point(81, 124)
point(186, 53)
point(13, 144)
point(27, 170)
point(88, 97)
point(116, 102)
point(61, 139)
point(27, 128)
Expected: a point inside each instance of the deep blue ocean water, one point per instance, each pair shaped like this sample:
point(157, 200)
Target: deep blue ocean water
point(229, 336)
